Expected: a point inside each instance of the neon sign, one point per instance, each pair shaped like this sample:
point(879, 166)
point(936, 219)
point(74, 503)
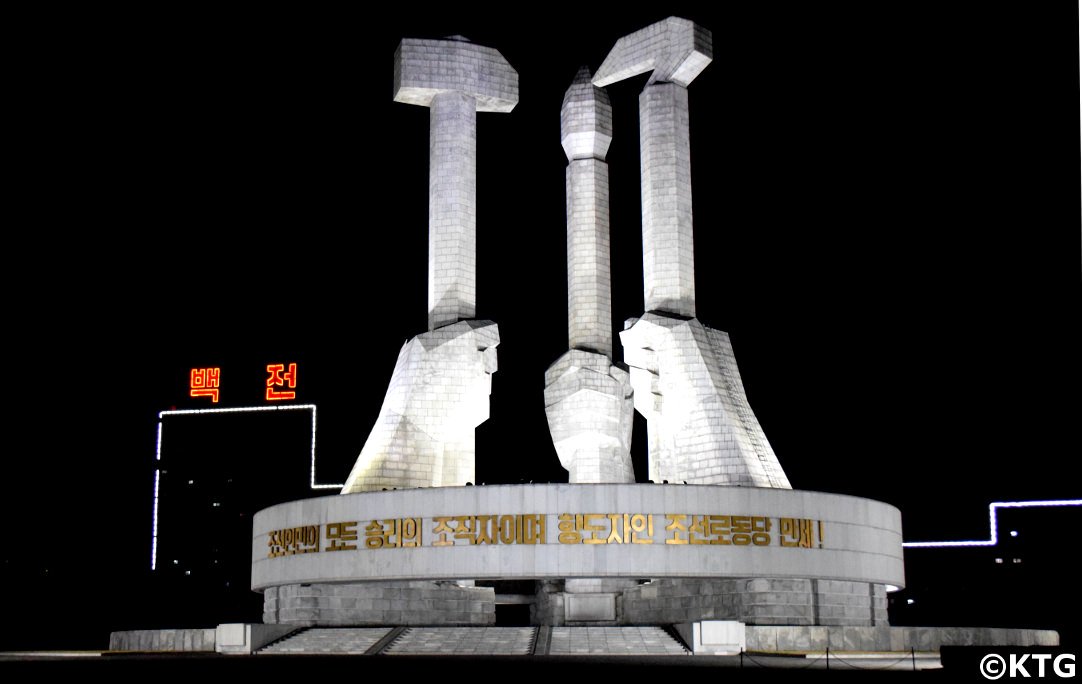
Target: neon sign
point(204, 382)
point(279, 377)
point(244, 409)
point(281, 381)
point(993, 510)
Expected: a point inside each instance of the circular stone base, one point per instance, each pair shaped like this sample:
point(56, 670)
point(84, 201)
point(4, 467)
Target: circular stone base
point(760, 601)
point(379, 603)
point(578, 531)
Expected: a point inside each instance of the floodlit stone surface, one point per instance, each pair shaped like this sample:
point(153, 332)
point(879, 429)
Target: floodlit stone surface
point(452, 210)
point(438, 394)
point(589, 281)
point(674, 51)
point(585, 119)
point(589, 408)
point(163, 640)
point(668, 244)
point(352, 640)
point(513, 532)
point(587, 398)
point(424, 68)
point(424, 435)
point(757, 601)
point(466, 641)
point(685, 379)
point(687, 386)
point(379, 603)
point(586, 130)
point(883, 638)
point(609, 641)
point(455, 79)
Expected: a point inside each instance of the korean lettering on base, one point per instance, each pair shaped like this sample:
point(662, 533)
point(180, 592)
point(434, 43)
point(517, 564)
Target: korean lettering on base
point(339, 534)
point(736, 530)
point(394, 533)
point(293, 540)
point(801, 532)
point(606, 528)
point(489, 529)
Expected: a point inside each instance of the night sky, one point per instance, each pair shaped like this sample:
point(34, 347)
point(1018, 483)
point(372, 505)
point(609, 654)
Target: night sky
point(881, 197)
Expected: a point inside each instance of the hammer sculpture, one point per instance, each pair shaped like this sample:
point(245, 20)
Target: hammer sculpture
point(438, 394)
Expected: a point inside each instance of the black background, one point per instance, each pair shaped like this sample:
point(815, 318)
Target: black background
point(885, 223)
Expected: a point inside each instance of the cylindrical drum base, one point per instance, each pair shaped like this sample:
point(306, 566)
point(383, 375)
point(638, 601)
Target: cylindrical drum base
point(379, 603)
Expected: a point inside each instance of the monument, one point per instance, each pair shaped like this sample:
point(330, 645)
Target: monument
point(406, 541)
point(717, 535)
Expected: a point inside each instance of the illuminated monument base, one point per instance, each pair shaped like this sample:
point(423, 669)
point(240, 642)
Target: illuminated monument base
point(598, 554)
point(760, 601)
point(379, 603)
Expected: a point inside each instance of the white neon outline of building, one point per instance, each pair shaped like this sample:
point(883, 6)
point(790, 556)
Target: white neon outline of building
point(993, 537)
point(243, 409)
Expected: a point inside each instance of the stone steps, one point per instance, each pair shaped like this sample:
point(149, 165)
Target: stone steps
point(481, 641)
point(464, 641)
point(613, 641)
point(351, 640)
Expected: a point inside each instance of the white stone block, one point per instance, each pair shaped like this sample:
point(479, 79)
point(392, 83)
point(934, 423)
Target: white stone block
point(438, 394)
point(688, 388)
point(589, 607)
point(424, 68)
point(456, 79)
point(585, 119)
point(674, 50)
point(589, 408)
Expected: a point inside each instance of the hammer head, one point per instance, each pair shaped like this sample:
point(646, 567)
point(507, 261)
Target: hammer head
point(425, 68)
point(676, 51)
